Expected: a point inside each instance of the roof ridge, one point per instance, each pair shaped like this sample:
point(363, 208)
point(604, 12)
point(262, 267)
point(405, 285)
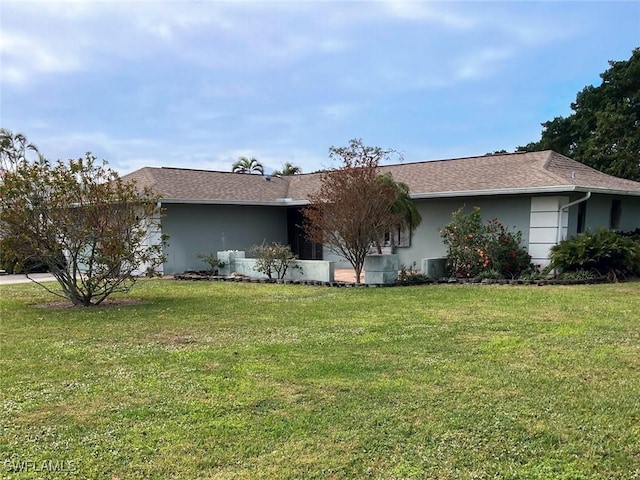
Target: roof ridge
point(545, 166)
point(472, 157)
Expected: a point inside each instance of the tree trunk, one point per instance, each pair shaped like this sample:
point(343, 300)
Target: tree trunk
point(358, 271)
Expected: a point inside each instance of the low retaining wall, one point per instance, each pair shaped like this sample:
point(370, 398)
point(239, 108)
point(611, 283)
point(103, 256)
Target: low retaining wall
point(313, 270)
point(381, 269)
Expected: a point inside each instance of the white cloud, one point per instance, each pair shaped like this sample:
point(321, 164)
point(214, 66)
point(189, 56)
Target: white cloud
point(482, 63)
point(431, 12)
point(24, 56)
point(338, 111)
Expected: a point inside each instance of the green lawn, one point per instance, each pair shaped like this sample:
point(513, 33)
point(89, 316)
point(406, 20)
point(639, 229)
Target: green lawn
point(256, 381)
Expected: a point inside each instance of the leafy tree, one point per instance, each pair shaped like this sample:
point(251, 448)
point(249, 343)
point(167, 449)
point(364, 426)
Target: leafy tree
point(287, 169)
point(14, 150)
point(247, 165)
point(604, 130)
point(353, 207)
point(80, 219)
point(403, 204)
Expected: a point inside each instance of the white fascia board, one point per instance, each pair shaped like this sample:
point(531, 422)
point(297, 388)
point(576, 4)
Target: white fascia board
point(497, 191)
point(418, 196)
point(609, 191)
point(192, 201)
point(525, 191)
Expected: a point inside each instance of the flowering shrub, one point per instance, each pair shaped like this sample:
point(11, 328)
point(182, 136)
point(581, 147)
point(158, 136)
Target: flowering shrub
point(275, 258)
point(475, 247)
point(505, 250)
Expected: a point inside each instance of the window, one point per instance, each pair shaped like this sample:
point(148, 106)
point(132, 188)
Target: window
point(398, 237)
point(582, 216)
point(615, 215)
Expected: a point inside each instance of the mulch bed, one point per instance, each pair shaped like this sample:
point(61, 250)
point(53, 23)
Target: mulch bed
point(193, 276)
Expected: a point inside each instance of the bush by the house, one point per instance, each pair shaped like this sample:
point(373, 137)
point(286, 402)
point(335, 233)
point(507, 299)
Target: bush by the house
point(477, 248)
point(274, 259)
point(604, 252)
point(212, 260)
point(411, 275)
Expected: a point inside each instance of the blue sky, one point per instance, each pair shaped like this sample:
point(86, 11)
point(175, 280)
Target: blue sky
point(197, 84)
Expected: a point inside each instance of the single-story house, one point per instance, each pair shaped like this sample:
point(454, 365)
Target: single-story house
point(545, 195)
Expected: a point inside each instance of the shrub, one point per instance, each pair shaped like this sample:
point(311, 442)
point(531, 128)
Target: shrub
point(474, 247)
point(489, 275)
point(212, 260)
point(578, 275)
point(505, 251)
point(275, 258)
point(411, 275)
point(605, 252)
point(465, 239)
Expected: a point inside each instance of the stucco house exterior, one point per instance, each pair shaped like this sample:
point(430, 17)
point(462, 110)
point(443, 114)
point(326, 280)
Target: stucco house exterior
point(545, 195)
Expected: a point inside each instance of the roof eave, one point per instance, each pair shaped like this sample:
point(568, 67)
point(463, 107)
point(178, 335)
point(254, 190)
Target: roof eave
point(418, 196)
point(208, 201)
point(524, 191)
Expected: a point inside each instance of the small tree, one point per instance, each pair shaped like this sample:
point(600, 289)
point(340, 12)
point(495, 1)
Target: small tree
point(90, 229)
point(275, 258)
point(353, 208)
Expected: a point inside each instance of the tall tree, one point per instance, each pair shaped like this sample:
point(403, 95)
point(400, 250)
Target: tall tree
point(287, 169)
point(14, 150)
point(353, 207)
point(403, 204)
point(247, 165)
point(93, 231)
point(604, 130)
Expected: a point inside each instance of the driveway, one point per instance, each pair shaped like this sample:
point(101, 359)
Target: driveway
point(21, 278)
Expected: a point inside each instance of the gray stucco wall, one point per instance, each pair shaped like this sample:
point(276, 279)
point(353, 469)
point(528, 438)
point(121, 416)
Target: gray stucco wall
point(598, 212)
point(512, 211)
point(195, 229)
point(204, 229)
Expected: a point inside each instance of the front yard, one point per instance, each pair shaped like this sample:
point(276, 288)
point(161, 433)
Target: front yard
point(252, 381)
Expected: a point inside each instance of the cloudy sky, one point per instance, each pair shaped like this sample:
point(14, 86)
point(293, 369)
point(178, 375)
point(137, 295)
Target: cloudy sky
point(197, 84)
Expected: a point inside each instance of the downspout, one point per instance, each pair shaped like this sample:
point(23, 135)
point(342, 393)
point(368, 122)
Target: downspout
point(566, 207)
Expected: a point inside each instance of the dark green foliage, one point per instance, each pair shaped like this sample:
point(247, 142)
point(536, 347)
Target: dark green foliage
point(475, 247)
point(212, 260)
point(605, 252)
point(505, 251)
point(403, 205)
point(603, 132)
point(578, 275)
point(411, 275)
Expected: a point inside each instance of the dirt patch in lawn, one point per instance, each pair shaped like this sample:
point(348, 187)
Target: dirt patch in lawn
point(108, 303)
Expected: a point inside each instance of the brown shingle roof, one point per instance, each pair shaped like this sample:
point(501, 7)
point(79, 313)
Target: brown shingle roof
point(545, 171)
point(184, 185)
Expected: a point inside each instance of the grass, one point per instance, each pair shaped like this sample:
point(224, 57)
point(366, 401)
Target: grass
point(254, 381)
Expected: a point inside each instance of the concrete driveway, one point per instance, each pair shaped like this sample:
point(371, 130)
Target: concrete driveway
point(21, 278)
